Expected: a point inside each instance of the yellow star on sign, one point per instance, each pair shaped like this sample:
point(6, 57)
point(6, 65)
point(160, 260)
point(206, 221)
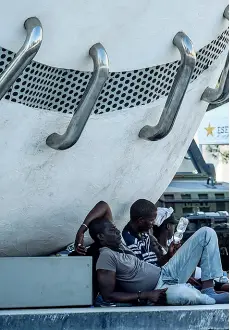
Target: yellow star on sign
point(209, 130)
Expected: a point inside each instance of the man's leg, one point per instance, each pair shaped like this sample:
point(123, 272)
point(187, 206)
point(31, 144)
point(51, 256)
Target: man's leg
point(201, 247)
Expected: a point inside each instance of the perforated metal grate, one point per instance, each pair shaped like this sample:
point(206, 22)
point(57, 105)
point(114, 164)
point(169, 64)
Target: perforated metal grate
point(45, 87)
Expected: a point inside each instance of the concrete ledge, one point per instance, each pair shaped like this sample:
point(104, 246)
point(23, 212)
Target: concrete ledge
point(21, 287)
point(140, 318)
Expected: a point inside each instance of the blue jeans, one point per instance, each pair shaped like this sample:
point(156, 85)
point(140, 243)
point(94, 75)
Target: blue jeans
point(202, 247)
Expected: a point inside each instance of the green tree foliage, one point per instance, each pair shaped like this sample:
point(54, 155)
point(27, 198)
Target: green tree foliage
point(218, 154)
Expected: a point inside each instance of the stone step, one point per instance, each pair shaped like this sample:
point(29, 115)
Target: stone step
point(207, 317)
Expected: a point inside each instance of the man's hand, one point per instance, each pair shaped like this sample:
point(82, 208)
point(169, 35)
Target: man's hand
point(156, 247)
point(157, 297)
point(100, 210)
point(173, 249)
point(107, 284)
point(81, 250)
point(79, 243)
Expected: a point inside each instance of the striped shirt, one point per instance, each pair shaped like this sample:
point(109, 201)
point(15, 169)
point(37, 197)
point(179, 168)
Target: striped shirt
point(140, 244)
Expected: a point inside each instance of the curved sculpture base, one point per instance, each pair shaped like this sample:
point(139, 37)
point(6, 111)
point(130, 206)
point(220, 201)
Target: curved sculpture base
point(45, 194)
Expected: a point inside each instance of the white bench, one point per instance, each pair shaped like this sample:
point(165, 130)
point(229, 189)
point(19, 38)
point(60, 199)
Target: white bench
point(45, 282)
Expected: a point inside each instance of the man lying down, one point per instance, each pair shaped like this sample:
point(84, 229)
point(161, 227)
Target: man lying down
point(122, 277)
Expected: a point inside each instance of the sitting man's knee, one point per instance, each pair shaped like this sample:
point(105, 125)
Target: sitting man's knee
point(207, 232)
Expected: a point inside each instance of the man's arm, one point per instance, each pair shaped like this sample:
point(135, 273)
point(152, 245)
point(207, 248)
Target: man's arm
point(107, 282)
point(163, 260)
point(157, 249)
point(171, 251)
point(155, 254)
point(100, 210)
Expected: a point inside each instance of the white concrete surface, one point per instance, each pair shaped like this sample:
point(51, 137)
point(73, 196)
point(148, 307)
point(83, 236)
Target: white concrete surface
point(45, 282)
point(45, 194)
point(139, 318)
point(136, 34)
point(116, 310)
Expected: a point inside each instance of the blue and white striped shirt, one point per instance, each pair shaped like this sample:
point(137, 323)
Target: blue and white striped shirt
point(140, 245)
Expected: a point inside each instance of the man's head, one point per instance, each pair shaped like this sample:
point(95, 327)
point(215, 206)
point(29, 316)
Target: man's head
point(105, 233)
point(143, 214)
point(167, 228)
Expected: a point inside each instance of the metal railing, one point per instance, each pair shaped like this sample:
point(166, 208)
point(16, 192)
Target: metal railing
point(218, 96)
point(177, 92)
point(24, 56)
point(85, 107)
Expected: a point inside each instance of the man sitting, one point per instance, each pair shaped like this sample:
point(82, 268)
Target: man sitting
point(163, 232)
point(139, 280)
point(143, 214)
point(100, 211)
